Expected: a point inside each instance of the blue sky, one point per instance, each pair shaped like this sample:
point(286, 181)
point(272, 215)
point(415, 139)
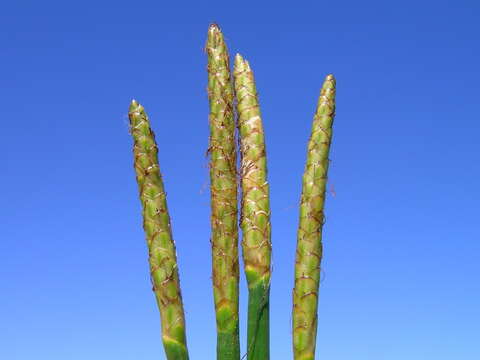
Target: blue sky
point(401, 240)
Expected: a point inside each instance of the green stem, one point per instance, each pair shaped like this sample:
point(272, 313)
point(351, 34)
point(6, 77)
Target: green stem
point(309, 235)
point(258, 322)
point(224, 207)
point(255, 214)
point(156, 223)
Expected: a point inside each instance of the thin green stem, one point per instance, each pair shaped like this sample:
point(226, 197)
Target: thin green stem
point(156, 223)
point(309, 235)
point(255, 214)
point(223, 191)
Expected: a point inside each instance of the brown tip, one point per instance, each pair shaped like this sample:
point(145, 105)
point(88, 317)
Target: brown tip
point(213, 27)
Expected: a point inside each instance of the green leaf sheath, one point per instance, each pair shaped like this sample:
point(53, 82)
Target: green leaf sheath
point(156, 223)
point(255, 214)
point(223, 185)
point(309, 236)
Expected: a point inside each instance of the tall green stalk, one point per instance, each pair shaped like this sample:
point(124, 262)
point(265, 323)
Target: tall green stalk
point(255, 214)
point(223, 185)
point(156, 223)
point(309, 236)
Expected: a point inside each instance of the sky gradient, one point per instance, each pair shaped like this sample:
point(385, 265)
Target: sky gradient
point(401, 248)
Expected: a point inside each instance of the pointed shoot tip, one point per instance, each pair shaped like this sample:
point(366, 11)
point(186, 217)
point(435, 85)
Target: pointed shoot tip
point(214, 30)
point(214, 26)
point(238, 59)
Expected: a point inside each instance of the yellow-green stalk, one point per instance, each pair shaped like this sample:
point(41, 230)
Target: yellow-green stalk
point(309, 235)
point(156, 223)
point(223, 191)
point(255, 214)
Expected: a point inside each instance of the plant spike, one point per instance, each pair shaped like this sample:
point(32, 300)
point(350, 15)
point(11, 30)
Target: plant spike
point(255, 214)
point(309, 236)
point(224, 207)
point(156, 223)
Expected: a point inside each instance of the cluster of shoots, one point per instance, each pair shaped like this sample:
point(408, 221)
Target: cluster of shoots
point(240, 198)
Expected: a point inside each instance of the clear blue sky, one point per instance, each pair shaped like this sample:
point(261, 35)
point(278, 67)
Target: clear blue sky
point(401, 241)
